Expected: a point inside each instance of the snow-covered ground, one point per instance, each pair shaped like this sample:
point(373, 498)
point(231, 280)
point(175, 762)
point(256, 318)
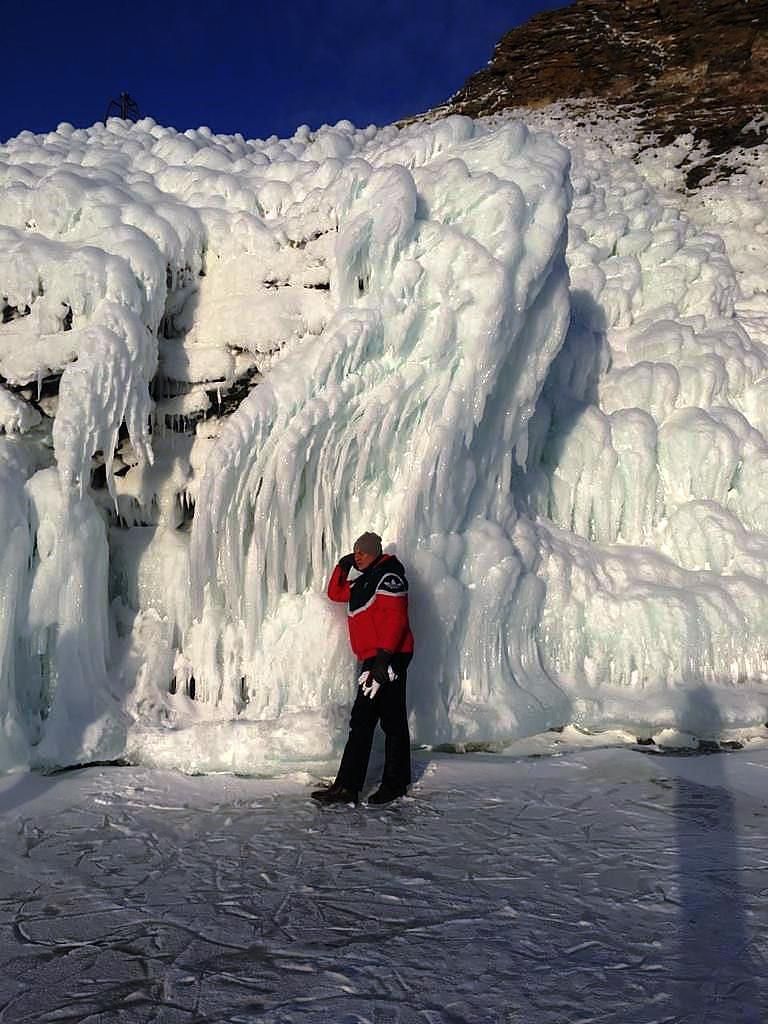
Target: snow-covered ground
point(601, 886)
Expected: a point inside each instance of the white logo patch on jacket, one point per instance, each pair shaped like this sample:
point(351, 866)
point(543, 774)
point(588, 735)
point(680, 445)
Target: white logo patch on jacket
point(392, 584)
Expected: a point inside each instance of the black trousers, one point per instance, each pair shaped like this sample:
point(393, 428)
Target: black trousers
point(387, 707)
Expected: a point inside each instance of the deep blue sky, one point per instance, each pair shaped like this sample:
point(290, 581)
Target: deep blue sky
point(259, 68)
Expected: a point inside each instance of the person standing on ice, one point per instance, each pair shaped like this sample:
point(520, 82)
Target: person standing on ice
point(381, 639)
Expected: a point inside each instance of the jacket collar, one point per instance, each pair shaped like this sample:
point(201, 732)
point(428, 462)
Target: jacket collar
point(373, 565)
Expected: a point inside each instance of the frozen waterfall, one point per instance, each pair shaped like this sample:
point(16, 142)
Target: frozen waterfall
point(531, 366)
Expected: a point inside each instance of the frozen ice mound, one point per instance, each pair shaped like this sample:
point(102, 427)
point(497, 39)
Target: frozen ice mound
point(648, 447)
point(524, 364)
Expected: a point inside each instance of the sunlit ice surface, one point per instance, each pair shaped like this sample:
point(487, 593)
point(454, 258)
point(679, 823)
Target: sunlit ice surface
point(516, 349)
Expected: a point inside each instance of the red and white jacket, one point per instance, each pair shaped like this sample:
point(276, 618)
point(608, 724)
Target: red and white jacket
point(377, 613)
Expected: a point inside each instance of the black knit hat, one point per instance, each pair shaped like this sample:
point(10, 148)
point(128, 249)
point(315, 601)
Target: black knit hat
point(369, 544)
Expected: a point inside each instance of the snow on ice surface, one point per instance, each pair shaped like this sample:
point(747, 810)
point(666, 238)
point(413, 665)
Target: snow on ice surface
point(537, 371)
point(600, 886)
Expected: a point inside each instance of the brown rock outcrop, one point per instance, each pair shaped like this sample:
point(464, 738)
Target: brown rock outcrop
point(686, 65)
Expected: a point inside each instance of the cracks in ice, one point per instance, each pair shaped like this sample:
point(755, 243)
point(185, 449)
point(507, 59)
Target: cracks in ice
point(467, 923)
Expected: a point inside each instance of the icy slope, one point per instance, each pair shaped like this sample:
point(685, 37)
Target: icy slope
point(223, 359)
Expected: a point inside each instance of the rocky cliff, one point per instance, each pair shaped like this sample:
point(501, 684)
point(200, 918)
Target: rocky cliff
point(685, 66)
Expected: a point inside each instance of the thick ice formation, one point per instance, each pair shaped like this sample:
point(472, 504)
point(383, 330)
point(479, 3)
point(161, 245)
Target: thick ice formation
point(222, 359)
point(649, 448)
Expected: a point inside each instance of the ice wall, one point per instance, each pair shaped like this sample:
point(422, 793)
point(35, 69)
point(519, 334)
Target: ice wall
point(225, 358)
point(405, 413)
point(649, 444)
point(222, 359)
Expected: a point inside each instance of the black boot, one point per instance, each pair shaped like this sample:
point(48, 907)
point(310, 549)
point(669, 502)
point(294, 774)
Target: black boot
point(324, 790)
point(335, 795)
point(384, 795)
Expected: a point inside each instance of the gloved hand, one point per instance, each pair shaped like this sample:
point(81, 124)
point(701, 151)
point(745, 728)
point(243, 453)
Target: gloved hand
point(381, 670)
point(368, 684)
point(346, 563)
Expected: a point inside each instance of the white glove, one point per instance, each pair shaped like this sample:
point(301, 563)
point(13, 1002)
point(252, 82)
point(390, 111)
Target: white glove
point(369, 685)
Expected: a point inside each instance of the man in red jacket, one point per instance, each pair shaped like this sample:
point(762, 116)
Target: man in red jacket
point(382, 641)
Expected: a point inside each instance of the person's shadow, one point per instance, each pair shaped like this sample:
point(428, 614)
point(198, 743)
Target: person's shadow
point(720, 981)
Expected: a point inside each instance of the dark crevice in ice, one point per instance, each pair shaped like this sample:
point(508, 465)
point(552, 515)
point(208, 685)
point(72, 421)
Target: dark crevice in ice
point(225, 402)
point(99, 477)
point(14, 312)
point(702, 747)
point(188, 688)
point(301, 243)
point(118, 762)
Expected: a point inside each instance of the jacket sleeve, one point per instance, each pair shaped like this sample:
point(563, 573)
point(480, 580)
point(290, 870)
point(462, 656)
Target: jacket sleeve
point(338, 587)
point(390, 615)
